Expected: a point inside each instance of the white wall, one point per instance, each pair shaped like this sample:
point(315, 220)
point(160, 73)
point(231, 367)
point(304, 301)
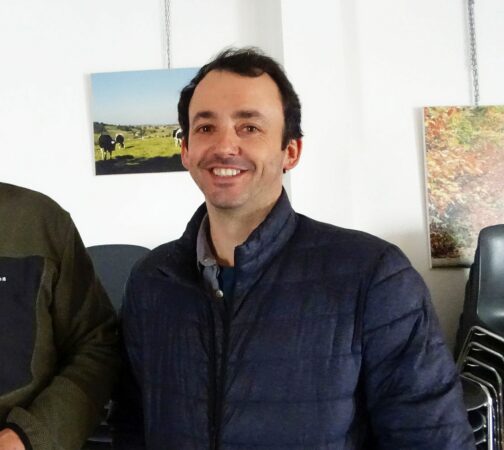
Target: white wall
point(363, 70)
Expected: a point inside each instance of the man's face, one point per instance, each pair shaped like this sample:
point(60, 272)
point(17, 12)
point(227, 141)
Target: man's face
point(233, 151)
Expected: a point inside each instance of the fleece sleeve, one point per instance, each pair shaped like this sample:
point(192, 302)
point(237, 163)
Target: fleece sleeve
point(412, 386)
point(83, 325)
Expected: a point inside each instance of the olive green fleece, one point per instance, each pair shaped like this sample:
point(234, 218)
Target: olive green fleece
point(75, 361)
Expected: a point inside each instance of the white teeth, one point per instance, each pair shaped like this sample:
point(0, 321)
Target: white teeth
point(223, 172)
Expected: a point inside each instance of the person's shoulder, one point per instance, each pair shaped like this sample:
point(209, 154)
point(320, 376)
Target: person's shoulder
point(362, 254)
point(346, 247)
point(321, 234)
point(21, 198)
point(32, 223)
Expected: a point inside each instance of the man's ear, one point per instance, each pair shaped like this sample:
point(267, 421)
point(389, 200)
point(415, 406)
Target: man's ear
point(183, 153)
point(292, 154)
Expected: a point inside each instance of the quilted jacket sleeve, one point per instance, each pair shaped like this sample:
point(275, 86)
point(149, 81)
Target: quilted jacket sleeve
point(83, 324)
point(127, 417)
point(412, 386)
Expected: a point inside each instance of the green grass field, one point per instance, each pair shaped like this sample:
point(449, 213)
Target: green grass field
point(149, 148)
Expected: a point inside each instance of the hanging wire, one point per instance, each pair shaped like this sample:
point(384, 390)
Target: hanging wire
point(474, 56)
point(167, 30)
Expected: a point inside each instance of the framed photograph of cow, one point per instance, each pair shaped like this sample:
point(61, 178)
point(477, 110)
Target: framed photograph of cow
point(135, 125)
point(464, 148)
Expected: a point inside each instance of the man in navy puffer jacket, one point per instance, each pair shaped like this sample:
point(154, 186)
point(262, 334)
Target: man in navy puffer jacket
point(261, 329)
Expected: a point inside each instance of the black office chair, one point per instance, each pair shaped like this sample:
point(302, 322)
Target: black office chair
point(113, 264)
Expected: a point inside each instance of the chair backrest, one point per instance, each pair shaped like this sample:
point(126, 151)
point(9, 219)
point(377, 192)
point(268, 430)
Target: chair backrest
point(113, 264)
point(490, 306)
point(484, 294)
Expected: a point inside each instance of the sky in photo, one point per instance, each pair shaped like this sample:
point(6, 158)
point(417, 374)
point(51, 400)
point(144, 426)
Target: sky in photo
point(147, 97)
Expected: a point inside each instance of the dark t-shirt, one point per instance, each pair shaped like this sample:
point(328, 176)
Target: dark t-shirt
point(226, 282)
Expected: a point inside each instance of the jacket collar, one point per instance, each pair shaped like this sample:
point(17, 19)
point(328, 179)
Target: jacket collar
point(253, 257)
point(268, 238)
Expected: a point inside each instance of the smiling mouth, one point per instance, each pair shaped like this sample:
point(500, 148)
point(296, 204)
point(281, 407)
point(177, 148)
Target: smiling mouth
point(225, 172)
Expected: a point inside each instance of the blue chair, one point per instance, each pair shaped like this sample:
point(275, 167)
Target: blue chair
point(113, 264)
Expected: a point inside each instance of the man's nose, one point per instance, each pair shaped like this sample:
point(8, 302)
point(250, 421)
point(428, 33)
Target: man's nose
point(227, 141)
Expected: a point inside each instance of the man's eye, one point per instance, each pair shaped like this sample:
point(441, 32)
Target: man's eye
point(250, 128)
point(204, 129)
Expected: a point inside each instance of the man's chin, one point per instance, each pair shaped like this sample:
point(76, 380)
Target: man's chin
point(225, 204)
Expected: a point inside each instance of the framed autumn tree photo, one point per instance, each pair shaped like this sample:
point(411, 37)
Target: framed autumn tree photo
point(464, 149)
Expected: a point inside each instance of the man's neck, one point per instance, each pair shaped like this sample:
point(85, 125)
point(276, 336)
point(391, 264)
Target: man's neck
point(229, 229)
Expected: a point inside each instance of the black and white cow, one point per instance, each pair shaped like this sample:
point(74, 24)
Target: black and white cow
point(107, 144)
point(177, 136)
point(120, 140)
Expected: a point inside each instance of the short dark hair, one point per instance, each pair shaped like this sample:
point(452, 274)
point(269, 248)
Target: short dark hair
point(249, 62)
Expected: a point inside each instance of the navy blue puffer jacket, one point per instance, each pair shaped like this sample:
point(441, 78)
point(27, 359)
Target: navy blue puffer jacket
point(332, 344)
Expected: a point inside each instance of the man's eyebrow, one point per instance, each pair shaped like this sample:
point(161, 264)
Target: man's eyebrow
point(241, 114)
point(204, 115)
point(247, 114)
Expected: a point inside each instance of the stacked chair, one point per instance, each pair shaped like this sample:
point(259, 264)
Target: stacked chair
point(113, 264)
point(480, 341)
